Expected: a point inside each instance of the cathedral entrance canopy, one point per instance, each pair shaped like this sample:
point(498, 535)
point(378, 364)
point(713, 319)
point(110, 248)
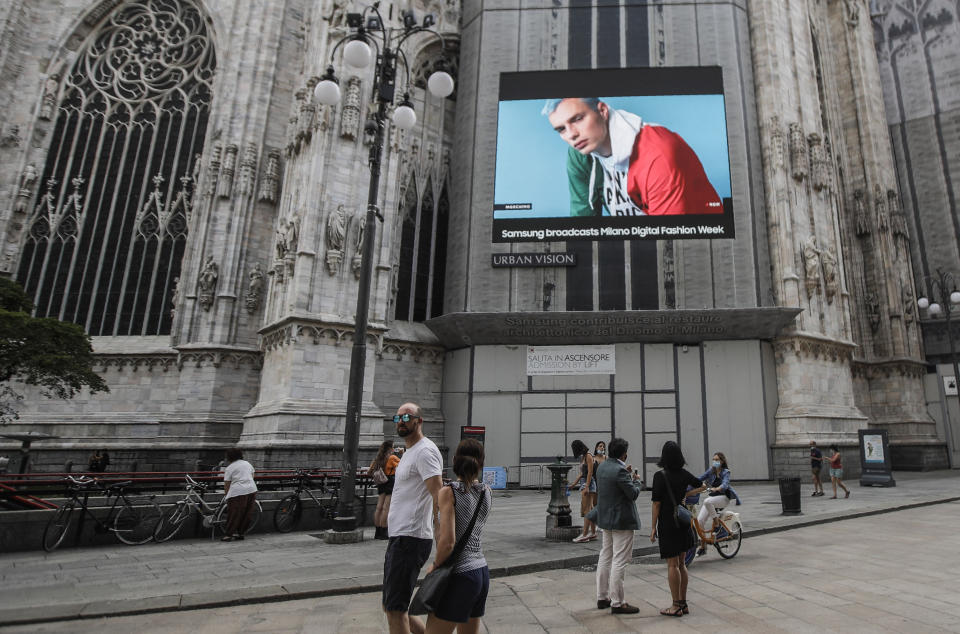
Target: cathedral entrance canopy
point(457, 330)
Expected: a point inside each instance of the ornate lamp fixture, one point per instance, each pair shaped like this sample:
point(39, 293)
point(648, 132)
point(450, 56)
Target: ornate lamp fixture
point(368, 30)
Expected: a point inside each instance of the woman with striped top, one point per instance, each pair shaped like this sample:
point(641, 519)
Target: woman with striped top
point(466, 596)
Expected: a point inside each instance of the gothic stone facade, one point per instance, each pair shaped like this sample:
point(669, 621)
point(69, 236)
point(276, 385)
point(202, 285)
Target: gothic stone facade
point(169, 182)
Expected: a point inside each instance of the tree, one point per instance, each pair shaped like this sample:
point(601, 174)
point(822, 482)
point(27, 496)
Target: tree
point(56, 356)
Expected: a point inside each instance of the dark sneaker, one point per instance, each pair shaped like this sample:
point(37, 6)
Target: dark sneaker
point(624, 608)
point(603, 604)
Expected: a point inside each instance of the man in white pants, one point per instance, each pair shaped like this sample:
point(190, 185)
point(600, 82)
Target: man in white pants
point(617, 490)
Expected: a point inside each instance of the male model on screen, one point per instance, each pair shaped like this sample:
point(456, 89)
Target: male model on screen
point(616, 160)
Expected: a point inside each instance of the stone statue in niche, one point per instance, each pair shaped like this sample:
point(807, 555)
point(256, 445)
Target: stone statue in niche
point(213, 169)
point(29, 179)
point(197, 164)
point(287, 238)
point(350, 115)
point(207, 283)
point(270, 185)
point(873, 311)
point(357, 263)
point(248, 170)
point(254, 289)
point(305, 116)
point(225, 185)
point(909, 303)
point(860, 213)
point(776, 142)
point(853, 13)
point(881, 204)
point(829, 263)
point(11, 138)
point(337, 19)
point(335, 237)
point(819, 165)
point(174, 297)
point(811, 265)
point(50, 91)
point(798, 153)
point(898, 220)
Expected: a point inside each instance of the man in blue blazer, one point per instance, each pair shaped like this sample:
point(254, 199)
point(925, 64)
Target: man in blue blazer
point(617, 490)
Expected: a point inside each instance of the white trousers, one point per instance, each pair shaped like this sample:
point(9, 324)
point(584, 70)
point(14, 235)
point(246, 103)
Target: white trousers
point(616, 551)
point(708, 510)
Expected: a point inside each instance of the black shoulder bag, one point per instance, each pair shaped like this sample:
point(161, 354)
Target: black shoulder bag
point(681, 516)
point(434, 585)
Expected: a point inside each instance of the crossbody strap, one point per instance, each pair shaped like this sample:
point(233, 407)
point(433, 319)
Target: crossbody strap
point(462, 542)
point(669, 490)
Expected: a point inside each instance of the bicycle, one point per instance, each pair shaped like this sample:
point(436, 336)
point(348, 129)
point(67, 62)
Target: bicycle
point(131, 518)
point(290, 509)
point(214, 516)
point(726, 537)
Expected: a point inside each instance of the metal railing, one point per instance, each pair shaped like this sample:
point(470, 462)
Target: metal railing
point(14, 488)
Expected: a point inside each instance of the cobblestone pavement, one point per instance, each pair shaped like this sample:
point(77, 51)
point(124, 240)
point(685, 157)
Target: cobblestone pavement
point(871, 574)
point(197, 573)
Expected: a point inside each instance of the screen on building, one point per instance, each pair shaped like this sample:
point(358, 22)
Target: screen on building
point(612, 154)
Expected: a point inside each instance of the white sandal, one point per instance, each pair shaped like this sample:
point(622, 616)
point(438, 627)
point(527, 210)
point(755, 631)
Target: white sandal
point(579, 539)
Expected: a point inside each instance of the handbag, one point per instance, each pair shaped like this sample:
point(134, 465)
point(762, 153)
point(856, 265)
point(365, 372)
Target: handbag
point(434, 584)
point(379, 477)
point(681, 516)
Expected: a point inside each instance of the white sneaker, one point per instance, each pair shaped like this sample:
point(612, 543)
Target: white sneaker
point(579, 539)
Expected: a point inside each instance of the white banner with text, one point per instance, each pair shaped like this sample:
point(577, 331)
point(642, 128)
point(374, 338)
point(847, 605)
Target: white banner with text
point(546, 360)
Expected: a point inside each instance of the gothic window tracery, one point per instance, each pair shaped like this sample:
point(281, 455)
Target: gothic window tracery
point(106, 240)
point(422, 253)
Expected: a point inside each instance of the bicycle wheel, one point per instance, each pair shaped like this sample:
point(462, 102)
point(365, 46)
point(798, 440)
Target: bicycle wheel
point(137, 519)
point(254, 518)
point(171, 522)
point(57, 527)
point(287, 514)
point(729, 545)
point(220, 521)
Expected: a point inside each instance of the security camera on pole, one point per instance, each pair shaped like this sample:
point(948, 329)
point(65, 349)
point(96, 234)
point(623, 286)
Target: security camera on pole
point(368, 29)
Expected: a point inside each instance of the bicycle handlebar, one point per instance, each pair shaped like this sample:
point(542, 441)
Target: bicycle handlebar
point(81, 481)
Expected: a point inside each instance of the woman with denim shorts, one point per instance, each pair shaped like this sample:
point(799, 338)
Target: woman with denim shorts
point(466, 596)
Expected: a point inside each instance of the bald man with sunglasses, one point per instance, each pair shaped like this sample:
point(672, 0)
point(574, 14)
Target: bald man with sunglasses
point(412, 517)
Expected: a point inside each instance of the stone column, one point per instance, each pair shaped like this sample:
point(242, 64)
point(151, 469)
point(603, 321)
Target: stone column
point(814, 380)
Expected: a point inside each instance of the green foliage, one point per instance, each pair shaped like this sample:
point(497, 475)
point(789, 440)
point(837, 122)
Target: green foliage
point(56, 356)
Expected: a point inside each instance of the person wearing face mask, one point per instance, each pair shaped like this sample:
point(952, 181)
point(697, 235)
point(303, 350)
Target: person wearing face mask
point(719, 493)
point(599, 455)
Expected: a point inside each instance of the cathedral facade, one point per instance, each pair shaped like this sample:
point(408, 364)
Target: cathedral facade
point(169, 182)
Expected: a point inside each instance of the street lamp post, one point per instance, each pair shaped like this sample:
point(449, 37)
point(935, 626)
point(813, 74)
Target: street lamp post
point(369, 29)
point(945, 297)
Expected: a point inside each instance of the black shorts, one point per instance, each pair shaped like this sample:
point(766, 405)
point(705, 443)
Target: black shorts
point(386, 487)
point(402, 562)
point(466, 596)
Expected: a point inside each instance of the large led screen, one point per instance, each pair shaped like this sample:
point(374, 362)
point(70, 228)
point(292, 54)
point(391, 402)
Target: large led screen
point(612, 154)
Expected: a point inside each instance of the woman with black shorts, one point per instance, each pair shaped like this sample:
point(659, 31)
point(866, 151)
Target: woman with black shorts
point(674, 541)
point(466, 597)
point(387, 461)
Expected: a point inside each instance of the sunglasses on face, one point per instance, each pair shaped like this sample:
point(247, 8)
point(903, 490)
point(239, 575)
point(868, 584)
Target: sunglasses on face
point(406, 418)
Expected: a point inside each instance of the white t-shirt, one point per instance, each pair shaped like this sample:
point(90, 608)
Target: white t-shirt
point(239, 474)
point(411, 507)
